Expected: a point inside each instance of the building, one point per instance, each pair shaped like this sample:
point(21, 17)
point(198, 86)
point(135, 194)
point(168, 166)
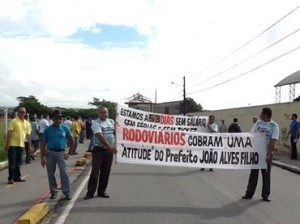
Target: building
point(140, 102)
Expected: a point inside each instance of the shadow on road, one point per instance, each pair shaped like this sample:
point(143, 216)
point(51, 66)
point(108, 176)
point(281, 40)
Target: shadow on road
point(230, 210)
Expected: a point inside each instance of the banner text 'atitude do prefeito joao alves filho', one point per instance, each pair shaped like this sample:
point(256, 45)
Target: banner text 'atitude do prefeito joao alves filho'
point(172, 140)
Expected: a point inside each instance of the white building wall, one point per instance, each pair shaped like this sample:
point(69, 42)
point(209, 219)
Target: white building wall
point(281, 114)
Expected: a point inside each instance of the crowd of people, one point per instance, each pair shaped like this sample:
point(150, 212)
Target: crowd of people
point(53, 136)
point(58, 139)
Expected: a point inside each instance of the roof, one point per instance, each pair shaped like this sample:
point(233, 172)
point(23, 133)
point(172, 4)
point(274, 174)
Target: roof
point(291, 79)
point(139, 98)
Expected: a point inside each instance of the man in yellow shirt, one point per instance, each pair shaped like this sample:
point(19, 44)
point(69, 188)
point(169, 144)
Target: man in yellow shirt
point(75, 129)
point(19, 129)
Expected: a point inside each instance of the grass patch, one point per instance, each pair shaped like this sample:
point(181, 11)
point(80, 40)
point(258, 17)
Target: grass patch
point(3, 153)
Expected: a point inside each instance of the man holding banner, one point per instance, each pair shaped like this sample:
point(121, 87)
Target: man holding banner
point(102, 154)
point(213, 128)
point(271, 131)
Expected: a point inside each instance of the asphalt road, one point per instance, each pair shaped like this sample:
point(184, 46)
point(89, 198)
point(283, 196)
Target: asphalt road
point(18, 198)
point(149, 194)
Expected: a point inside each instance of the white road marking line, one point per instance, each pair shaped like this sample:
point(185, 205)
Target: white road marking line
point(62, 218)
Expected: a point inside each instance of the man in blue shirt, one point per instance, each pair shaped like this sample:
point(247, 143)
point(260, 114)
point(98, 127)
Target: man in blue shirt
point(55, 138)
point(294, 135)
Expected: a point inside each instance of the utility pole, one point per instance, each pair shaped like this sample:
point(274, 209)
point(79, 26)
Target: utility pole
point(184, 97)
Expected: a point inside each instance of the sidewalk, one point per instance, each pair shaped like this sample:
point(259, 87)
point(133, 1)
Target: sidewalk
point(282, 159)
point(32, 197)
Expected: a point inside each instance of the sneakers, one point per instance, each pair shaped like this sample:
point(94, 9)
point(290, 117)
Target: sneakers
point(53, 195)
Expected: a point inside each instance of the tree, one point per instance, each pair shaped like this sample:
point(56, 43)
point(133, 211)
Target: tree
point(32, 105)
point(192, 106)
point(111, 106)
point(297, 99)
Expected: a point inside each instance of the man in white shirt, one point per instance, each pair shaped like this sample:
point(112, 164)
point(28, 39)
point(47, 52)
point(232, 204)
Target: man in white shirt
point(68, 122)
point(271, 129)
point(223, 127)
point(213, 128)
point(43, 124)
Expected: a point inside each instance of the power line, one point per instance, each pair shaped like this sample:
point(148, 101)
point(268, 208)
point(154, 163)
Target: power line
point(248, 58)
point(247, 43)
point(245, 73)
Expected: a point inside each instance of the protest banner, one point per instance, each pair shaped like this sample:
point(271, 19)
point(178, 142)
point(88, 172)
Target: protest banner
point(171, 140)
point(142, 119)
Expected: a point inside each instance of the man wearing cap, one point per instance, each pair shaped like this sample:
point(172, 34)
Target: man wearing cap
point(55, 138)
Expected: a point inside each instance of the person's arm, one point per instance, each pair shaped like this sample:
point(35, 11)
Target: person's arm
point(70, 143)
point(8, 138)
point(78, 128)
point(213, 127)
point(28, 136)
point(240, 129)
point(298, 130)
point(102, 139)
point(271, 149)
point(43, 153)
point(37, 129)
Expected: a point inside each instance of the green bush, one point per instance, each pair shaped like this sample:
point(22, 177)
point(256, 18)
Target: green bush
point(3, 153)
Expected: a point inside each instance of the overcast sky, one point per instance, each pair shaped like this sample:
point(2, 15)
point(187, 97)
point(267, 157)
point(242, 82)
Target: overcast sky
point(65, 52)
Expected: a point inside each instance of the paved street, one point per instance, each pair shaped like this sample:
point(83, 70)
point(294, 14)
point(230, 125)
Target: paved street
point(150, 194)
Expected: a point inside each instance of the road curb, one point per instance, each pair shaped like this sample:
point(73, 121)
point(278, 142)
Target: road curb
point(3, 165)
point(35, 214)
point(39, 211)
point(293, 169)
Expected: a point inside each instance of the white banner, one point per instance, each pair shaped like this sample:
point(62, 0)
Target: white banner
point(142, 119)
point(170, 140)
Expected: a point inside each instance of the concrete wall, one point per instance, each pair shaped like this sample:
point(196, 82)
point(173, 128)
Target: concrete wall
point(281, 114)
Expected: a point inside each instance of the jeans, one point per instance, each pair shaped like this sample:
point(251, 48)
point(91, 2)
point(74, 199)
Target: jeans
point(53, 158)
point(294, 148)
point(14, 162)
point(75, 144)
